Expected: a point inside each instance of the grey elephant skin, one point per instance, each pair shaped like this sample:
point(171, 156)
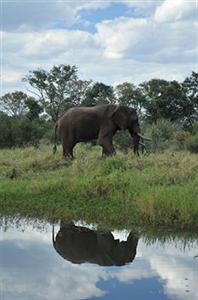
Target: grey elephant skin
point(79, 245)
point(83, 124)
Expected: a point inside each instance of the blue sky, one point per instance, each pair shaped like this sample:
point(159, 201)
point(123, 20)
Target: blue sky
point(88, 19)
point(110, 41)
point(108, 13)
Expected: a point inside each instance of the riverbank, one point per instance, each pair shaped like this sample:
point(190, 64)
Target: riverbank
point(159, 189)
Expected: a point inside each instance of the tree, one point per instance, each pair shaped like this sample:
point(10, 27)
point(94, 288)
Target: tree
point(5, 130)
point(57, 89)
point(128, 94)
point(190, 89)
point(163, 99)
point(98, 93)
point(34, 109)
point(78, 92)
point(14, 103)
point(20, 123)
point(19, 104)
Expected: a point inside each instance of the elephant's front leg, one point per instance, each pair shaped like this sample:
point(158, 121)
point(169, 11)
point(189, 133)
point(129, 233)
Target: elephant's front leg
point(136, 141)
point(107, 146)
point(105, 139)
point(104, 152)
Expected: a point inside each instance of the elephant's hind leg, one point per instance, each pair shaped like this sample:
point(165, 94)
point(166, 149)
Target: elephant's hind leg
point(68, 146)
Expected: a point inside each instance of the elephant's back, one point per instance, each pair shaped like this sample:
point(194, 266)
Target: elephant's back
point(98, 110)
point(82, 122)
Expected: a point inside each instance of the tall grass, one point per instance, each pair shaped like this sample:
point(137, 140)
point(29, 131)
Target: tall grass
point(159, 189)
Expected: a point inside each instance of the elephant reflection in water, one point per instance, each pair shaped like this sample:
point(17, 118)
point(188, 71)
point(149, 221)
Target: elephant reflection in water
point(80, 244)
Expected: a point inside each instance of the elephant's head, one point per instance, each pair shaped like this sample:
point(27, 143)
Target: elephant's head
point(126, 118)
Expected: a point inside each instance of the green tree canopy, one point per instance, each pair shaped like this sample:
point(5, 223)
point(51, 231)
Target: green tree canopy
point(128, 94)
point(190, 89)
point(163, 99)
point(98, 93)
point(171, 100)
point(34, 108)
point(57, 89)
point(18, 104)
point(14, 103)
point(5, 130)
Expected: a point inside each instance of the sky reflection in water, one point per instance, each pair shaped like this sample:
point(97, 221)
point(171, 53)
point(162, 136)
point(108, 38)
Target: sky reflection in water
point(30, 268)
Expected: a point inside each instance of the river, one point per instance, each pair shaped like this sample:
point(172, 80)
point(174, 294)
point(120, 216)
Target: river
point(75, 260)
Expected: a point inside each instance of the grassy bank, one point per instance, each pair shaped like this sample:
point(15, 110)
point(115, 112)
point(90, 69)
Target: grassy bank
point(159, 189)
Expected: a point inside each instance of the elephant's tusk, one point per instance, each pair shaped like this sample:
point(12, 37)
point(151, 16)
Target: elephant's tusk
point(144, 138)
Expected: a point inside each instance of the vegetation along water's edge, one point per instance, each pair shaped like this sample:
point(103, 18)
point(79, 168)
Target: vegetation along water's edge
point(156, 189)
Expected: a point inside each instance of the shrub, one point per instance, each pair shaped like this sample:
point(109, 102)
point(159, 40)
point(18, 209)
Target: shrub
point(180, 137)
point(162, 133)
point(5, 130)
point(20, 131)
point(192, 143)
point(123, 140)
point(195, 127)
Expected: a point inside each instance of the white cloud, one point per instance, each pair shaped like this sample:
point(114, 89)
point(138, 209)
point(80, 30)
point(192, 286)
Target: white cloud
point(10, 76)
point(134, 272)
point(145, 7)
point(174, 271)
point(22, 15)
point(42, 45)
point(116, 37)
point(170, 11)
point(24, 51)
point(28, 15)
point(120, 35)
point(145, 40)
point(132, 49)
point(78, 5)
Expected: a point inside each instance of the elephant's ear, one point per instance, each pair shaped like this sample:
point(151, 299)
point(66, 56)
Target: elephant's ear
point(120, 116)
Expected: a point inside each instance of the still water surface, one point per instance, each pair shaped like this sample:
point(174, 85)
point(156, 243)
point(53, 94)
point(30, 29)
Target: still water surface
point(39, 261)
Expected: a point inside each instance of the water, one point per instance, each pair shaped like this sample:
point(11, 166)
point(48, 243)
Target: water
point(80, 263)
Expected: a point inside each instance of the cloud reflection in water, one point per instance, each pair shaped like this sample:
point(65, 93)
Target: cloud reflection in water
point(30, 268)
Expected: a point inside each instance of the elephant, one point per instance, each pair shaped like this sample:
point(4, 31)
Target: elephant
point(79, 245)
point(83, 124)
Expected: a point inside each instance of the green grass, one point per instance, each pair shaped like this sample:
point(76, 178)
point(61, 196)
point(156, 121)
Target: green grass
point(159, 189)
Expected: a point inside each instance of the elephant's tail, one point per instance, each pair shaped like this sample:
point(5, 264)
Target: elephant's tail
point(55, 138)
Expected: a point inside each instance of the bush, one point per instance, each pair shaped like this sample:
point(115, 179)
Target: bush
point(5, 130)
point(192, 143)
point(20, 131)
point(195, 127)
point(180, 137)
point(162, 134)
point(123, 140)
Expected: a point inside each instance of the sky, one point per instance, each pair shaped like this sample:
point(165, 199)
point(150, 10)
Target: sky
point(109, 41)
